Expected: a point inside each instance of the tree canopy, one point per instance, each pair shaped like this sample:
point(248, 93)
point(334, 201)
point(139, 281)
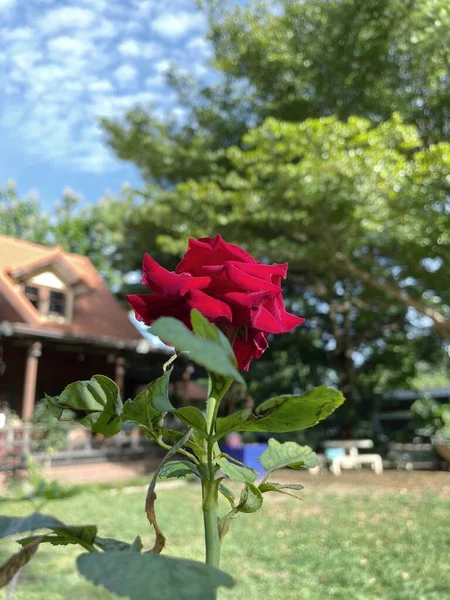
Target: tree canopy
point(333, 57)
point(293, 61)
point(323, 144)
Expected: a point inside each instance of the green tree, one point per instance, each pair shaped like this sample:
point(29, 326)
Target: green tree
point(357, 204)
point(96, 231)
point(22, 218)
point(341, 202)
point(296, 60)
point(352, 57)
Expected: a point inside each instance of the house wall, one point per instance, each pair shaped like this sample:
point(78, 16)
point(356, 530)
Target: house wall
point(47, 279)
point(59, 368)
point(56, 369)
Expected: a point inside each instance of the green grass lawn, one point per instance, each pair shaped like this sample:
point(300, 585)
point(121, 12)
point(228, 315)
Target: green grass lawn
point(342, 542)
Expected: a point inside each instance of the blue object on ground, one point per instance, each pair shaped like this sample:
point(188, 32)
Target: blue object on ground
point(248, 455)
point(236, 453)
point(331, 453)
point(251, 454)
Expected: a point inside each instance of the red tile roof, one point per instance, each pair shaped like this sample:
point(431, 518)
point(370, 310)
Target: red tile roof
point(96, 313)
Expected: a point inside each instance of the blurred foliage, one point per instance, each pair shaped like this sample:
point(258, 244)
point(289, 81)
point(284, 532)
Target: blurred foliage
point(52, 432)
point(435, 376)
point(22, 218)
point(434, 417)
point(35, 487)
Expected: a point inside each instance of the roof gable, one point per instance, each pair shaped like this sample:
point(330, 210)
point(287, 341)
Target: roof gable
point(54, 261)
point(96, 311)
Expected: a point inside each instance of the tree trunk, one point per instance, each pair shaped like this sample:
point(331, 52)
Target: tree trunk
point(343, 363)
point(342, 357)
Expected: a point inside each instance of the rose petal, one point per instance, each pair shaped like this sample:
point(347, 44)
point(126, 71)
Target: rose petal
point(248, 283)
point(276, 308)
point(211, 308)
point(249, 300)
point(210, 251)
point(263, 320)
point(290, 321)
point(162, 281)
point(242, 305)
point(265, 272)
point(149, 307)
point(248, 349)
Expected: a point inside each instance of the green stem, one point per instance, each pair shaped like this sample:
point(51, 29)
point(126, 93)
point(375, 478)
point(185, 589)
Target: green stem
point(210, 484)
point(211, 523)
point(88, 547)
point(163, 444)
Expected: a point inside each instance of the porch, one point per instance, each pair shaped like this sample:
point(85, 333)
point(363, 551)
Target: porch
point(37, 362)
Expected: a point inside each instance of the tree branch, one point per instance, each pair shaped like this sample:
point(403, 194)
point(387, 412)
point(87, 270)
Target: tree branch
point(441, 322)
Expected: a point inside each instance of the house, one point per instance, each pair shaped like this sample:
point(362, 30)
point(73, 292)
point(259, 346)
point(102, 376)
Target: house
point(60, 323)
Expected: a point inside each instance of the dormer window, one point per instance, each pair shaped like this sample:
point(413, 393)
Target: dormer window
point(51, 303)
point(57, 304)
point(51, 284)
point(32, 293)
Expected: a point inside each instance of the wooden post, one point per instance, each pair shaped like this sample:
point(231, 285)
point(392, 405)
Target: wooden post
point(29, 389)
point(119, 376)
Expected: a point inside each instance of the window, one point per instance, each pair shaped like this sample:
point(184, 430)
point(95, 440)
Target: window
point(50, 303)
point(32, 293)
point(57, 304)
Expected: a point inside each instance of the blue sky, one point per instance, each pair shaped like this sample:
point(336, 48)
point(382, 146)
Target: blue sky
point(65, 63)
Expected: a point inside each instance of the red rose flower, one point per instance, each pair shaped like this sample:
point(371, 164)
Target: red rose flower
point(228, 286)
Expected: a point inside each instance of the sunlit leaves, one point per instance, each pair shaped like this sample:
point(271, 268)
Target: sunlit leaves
point(212, 355)
point(293, 413)
point(288, 454)
point(95, 403)
point(237, 472)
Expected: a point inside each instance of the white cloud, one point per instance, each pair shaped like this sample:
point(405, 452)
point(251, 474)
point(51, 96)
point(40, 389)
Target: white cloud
point(175, 25)
point(17, 35)
point(129, 48)
point(112, 106)
point(158, 77)
point(104, 29)
point(162, 66)
point(23, 63)
point(198, 69)
point(100, 5)
point(64, 64)
point(155, 81)
point(70, 45)
point(200, 46)
point(125, 73)
point(181, 113)
point(133, 99)
point(66, 17)
point(133, 49)
point(96, 162)
point(6, 4)
point(144, 7)
point(101, 85)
